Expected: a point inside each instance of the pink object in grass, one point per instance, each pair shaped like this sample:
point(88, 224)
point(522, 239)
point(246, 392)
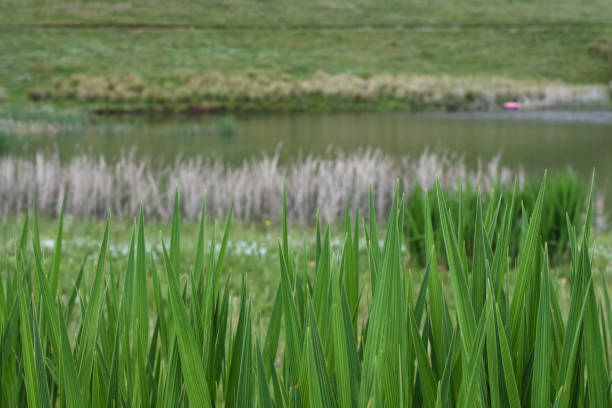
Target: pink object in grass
point(512, 105)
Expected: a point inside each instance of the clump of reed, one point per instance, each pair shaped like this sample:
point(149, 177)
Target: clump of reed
point(499, 337)
point(254, 90)
point(93, 185)
point(564, 202)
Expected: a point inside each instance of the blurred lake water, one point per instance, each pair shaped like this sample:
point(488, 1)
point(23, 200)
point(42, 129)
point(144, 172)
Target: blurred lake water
point(581, 140)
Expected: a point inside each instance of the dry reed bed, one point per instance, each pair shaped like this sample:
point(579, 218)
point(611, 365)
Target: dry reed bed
point(237, 91)
point(92, 185)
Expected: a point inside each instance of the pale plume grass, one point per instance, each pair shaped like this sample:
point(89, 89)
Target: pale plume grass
point(92, 185)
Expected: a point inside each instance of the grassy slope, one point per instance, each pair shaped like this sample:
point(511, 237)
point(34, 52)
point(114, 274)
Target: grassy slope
point(316, 13)
point(541, 40)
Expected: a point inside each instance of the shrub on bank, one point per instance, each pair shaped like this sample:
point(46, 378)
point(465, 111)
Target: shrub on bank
point(486, 342)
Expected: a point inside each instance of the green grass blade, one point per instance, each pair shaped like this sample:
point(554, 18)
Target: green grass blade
point(479, 269)
point(514, 400)
point(598, 377)
point(322, 284)
point(527, 258)
point(224, 241)
point(191, 359)
point(426, 376)
point(92, 316)
point(175, 234)
point(70, 384)
point(41, 374)
point(465, 309)
point(540, 392)
point(240, 349)
point(500, 258)
point(27, 351)
point(23, 239)
point(317, 361)
point(141, 318)
point(57, 253)
point(274, 327)
point(434, 289)
point(374, 249)
point(112, 397)
point(493, 361)
point(265, 398)
point(293, 329)
point(199, 255)
point(472, 374)
point(345, 349)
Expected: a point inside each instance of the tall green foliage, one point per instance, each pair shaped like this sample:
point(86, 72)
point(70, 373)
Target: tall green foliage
point(565, 196)
point(173, 338)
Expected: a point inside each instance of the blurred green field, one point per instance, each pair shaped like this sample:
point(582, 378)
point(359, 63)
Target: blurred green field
point(539, 40)
point(313, 14)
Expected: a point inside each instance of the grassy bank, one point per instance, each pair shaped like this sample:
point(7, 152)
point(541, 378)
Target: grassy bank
point(213, 93)
point(502, 330)
point(533, 43)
